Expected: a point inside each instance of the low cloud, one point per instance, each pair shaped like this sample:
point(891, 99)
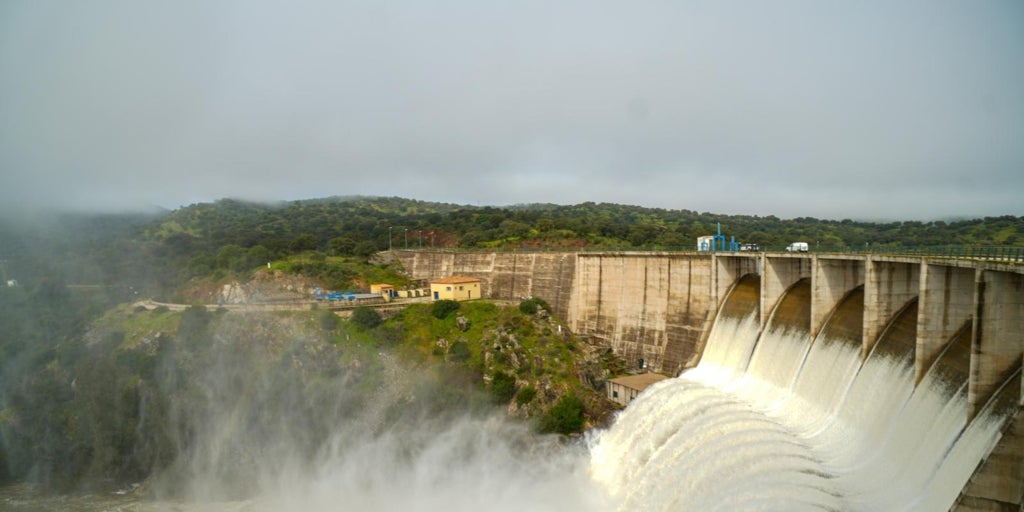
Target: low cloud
point(868, 110)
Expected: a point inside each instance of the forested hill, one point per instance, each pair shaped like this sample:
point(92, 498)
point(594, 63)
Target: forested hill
point(157, 252)
point(375, 223)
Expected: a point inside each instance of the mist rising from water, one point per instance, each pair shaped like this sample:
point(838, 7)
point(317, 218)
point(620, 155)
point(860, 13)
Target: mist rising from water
point(260, 413)
point(363, 439)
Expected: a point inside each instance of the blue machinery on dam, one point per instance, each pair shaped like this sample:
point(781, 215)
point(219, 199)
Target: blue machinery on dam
point(963, 315)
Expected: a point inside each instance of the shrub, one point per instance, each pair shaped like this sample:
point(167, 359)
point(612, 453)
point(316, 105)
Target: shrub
point(503, 387)
point(565, 417)
point(532, 305)
point(364, 249)
point(459, 351)
point(443, 308)
point(194, 322)
point(365, 317)
point(501, 357)
point(328, 320)
point(526, 395)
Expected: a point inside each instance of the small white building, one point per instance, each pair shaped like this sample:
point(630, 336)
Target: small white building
point(623, 390)
point(706, 243)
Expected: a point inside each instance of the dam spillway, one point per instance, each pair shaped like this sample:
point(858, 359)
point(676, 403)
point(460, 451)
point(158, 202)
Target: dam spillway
point(743, 431)
point(889, 369)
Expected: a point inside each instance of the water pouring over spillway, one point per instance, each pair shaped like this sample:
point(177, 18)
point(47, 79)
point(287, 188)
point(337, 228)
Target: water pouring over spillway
point(772, 419)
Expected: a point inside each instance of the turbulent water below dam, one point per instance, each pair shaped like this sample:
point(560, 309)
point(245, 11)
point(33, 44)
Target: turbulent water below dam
point(766, 421)
point(769, 421)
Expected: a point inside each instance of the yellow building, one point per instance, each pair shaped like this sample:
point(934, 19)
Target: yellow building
point(455, 288)
point(384, 290)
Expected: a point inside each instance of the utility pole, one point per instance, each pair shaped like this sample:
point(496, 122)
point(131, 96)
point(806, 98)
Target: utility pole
point(389, 238)
point(406, 233)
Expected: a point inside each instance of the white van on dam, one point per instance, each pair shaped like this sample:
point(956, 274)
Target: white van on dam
point(797, 247)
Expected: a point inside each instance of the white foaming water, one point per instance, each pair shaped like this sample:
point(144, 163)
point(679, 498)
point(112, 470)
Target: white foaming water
point(399, 458)
point(468, 465)
point(832, 435)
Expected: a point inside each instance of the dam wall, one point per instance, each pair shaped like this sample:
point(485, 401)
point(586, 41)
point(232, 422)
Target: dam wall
point(658, 306)
point(656, 309)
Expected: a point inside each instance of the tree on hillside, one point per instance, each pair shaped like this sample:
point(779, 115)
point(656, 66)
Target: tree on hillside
point(502, 388)
point(341, 245)
point(365, 317)
point(364, 249)
point(565, 417)
point(305, 242)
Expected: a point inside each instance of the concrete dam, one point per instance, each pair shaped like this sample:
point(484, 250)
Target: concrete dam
point(897, 377)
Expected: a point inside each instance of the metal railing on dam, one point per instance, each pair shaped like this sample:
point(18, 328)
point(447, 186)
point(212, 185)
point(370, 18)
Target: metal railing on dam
point(1001, 253)
point(982, 252)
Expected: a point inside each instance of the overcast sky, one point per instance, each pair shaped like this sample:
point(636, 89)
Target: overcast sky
point(867, 109)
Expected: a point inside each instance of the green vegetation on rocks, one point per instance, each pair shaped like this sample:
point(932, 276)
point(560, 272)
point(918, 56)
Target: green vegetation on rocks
point(565, 417)
point(502, 387)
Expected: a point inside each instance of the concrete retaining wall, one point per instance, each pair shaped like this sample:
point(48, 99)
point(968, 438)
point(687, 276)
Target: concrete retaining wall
point(503, 276)
point(650, 306)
